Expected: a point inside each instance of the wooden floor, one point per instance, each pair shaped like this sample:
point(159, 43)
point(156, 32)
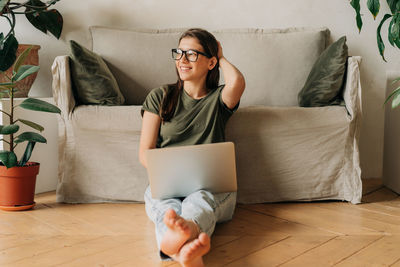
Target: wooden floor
point(288, 234)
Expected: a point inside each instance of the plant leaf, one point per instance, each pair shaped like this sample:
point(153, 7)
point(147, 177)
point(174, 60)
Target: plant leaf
point(390, 38)
point(395, 80)
point(8, 85)
point(356, 5)
point(3, 3)
point(21, 58)
point(395, 91)
point(8, 52)
point(396, 100)
point(8, 158)
point(25, 71)
point(54, 22)
point(9, 129)
point(394, 5)
point(27, 154)
point(381, 45)
point(373, 6)
point(39, 105)
point(30, 136)
point(32, 124)
point(395, 30)
point(43, 19)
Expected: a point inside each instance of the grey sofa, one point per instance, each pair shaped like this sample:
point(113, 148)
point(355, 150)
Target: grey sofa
point(284, 152)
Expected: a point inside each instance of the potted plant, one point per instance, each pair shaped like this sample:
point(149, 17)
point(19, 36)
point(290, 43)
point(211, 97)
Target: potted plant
point(393, 33)
point(18, 177)
point(40, 17)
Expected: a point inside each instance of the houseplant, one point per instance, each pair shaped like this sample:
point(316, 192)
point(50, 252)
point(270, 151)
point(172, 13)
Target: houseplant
point(393, 33)
point(40, 17)
point(17, 191)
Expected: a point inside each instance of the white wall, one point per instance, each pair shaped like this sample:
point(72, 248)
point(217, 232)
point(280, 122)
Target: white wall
point(338, 16)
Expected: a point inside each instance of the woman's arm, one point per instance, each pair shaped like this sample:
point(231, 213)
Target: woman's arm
point(234, 81)
point(148, 136)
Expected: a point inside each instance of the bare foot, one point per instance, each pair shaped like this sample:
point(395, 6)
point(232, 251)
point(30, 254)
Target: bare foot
point(179, 232)
point(191, 254)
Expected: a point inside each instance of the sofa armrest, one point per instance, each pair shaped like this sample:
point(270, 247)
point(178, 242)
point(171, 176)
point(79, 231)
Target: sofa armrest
point(352, 90)
point(62, 91)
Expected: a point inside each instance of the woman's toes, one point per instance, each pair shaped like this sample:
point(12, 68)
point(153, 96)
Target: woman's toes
point(204, 239)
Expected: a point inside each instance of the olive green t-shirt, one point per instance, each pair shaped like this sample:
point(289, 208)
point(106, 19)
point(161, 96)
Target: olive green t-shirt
point(195, 121)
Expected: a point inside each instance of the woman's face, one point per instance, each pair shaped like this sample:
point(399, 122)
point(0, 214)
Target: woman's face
point(194, 71)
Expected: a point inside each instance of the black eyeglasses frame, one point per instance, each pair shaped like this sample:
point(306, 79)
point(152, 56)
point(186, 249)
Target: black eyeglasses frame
point(175, 50)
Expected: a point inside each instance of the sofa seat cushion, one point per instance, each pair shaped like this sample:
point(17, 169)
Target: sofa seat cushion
point(293, 153)
point(275, 62)
point(108, 118)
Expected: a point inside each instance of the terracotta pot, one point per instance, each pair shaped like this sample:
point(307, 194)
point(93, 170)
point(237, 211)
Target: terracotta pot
point(32, 59)
point(17, 186)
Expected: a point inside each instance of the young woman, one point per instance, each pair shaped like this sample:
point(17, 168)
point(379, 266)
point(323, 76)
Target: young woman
point(192, 111)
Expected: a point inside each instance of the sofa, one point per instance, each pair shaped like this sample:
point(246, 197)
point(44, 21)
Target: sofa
point(283, 152)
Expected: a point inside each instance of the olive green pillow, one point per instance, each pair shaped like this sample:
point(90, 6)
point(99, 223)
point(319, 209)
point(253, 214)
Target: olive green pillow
point(325, 81)
point(92, 80)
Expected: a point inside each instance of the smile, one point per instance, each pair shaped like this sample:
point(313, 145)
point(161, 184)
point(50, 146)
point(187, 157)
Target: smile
point(184, 69)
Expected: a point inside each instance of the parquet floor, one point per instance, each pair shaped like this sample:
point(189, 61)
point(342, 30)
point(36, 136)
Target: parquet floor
point(284, 234)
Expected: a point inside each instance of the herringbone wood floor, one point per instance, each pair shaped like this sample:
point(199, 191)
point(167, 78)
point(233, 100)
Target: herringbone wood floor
point(288, 234)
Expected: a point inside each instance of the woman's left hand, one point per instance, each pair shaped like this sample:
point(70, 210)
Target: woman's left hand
point(220, 54)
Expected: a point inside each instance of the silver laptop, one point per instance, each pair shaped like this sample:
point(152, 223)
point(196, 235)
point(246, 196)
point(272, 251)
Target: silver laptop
point(180, 171)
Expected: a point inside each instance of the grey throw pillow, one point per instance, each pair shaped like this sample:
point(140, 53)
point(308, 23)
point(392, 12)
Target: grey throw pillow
point(325, 81)
point(92, 80)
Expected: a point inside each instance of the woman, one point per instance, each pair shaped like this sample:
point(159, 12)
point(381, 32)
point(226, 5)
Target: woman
point(192, 111)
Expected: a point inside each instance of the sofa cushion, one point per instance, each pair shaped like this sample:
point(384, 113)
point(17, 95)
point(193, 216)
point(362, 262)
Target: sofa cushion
point(275, 62)
point(92, 81)
point(325, 81)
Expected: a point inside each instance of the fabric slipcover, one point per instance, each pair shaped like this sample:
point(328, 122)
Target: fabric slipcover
point(283, 153)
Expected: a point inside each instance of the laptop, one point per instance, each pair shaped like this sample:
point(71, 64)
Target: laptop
point(182, 170)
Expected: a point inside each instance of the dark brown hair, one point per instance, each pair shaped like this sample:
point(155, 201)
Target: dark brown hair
point(172, 91)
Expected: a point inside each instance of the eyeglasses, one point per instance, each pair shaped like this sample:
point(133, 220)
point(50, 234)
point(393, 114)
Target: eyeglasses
point(191, 54)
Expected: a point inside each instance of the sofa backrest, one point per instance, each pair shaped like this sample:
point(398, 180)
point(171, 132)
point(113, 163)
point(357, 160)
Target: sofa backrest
point(274, 62)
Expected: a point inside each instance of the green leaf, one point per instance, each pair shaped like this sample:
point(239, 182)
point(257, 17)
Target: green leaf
point(381, 45)
point(39, 105)
point(3, 3)
point(8, 158)
point(25, 71)
point(32, 124)
point(395, 30)
point(8, 52)
point(394, 5)
point(395, 91)
point(356, 5)
point(373, 6)
point(8, 85)
point(396, 100)
point(21, 58)
point(9, 129)
point(27, 154)
point(43, 19)
point(54, 22)
point(4, 89)
point(30, 136)
point(390, 38)
point(395, 80)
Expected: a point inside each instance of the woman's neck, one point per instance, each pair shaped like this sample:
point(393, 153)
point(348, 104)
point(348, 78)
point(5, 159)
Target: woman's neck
point(195, 90)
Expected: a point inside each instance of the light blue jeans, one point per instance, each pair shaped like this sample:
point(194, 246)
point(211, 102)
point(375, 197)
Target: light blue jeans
point(204, 208)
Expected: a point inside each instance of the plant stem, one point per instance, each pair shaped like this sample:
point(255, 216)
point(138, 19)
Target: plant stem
point(5, 113)
point(4, 141)
point(12, 119)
